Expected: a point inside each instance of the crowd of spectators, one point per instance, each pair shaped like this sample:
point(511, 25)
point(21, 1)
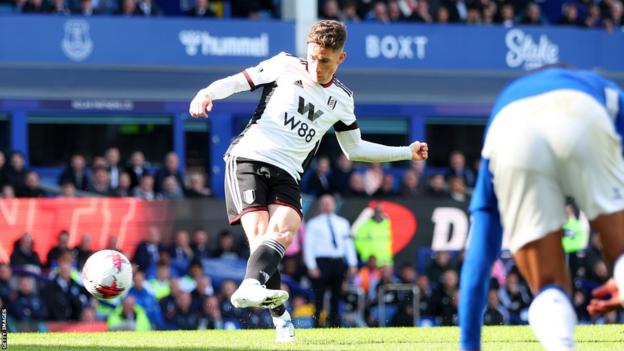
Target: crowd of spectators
point(608, 14)
point(173, 289)
point(106, 176)
point(455, 181)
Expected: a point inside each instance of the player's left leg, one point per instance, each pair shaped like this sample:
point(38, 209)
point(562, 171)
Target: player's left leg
point(551, 314)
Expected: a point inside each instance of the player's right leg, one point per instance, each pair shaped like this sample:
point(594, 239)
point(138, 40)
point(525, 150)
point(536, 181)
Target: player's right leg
point(551, 315)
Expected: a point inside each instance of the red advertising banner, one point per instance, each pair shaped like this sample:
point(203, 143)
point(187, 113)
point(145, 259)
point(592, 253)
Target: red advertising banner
point(126, 220)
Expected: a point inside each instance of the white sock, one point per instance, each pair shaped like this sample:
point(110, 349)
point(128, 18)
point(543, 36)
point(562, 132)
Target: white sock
point(618, 275)
point(553, 319)
point(250, 281)
point(281, 320)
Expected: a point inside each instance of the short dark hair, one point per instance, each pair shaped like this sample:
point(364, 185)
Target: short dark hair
point(328, 34)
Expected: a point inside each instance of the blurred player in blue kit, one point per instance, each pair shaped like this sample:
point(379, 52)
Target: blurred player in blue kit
point(553, 133)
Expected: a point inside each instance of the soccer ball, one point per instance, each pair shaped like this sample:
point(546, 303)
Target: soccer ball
point(107, 274)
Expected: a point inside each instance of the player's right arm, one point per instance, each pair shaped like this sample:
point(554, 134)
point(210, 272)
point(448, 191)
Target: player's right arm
point(484, 244)
point(265, 72)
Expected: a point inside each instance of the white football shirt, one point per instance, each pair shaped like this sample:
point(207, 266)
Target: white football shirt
point(293, 114)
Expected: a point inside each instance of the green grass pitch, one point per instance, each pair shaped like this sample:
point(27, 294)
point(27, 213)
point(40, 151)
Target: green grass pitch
point(494, 338)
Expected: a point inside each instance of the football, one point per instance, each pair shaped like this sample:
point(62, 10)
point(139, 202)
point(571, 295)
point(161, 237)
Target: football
point(107, 274)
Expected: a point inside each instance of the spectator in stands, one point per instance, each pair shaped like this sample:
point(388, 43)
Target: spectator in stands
point(329, 255)
point(570, 15)
point(170, 168)
point(202, 9)
point(200, 245)
point(458, 10)
point(197, 187)
point(145, 190)
point(490, 11)
point(394, 11)
point(147, 253)
point(181, 253)
point(616, 14)
point(128, 316)
point(101, 182)
point(170, 189)
point(367, 274)
point(422, 13)
point(227, 247)
point(373, 178)
point(387, 187)
point(318, 183)
point(474, 15)
point(442, 15)
point(31, 186)
point(83, 251)
point(409, 185)
point(441, 262)
point(188, 282)
point(86, 8)
point(349, 12)
point(3, 167)
point(446, 299)
point(374, 238)
point(516, 298)
point(426, 298)
point(55, 252)
point(128, 8)
point(68, 190)
point(594, 17)
point(580, 301)
point(161, 283)
point(507, 15)
point(24, 255)
point(380, 12)
point(34, 6)
point(230, 314)
point(26, 304)
point(58, 7)
point(112, 162)
point(203, 289)
point(15, 173)
point(437, 186)
point(330, 10)
point(137, 167)
point(389, 297)
point(340, 175)
point(532, 15)
point(124, 187)
point(64, 297)
point(7, 192)
point(211, 314)
point(457, 189)
point(145, 298)
point(148, 8)
point(458, 168)
point(183, 316)
point(356, 185)
point(5, 281)
point(76, 173)
point(495, 313)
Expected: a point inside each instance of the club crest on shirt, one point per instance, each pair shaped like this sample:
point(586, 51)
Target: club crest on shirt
point(249, 196)
point(331, 102)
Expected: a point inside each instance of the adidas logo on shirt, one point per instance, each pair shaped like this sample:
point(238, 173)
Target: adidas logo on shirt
point(299, 83)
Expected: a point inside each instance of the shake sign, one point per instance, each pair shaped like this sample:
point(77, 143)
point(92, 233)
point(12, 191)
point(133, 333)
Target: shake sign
point(524, 51)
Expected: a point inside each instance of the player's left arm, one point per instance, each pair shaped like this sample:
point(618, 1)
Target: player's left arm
point(356, 149)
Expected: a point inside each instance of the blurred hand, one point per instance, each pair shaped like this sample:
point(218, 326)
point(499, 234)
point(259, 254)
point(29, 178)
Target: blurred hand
point(599, 304)
point(352, 271)
point(420, 151)
point(314, 273)
point(201, 105)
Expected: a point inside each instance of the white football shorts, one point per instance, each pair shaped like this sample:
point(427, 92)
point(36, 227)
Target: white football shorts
point(545, 147)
